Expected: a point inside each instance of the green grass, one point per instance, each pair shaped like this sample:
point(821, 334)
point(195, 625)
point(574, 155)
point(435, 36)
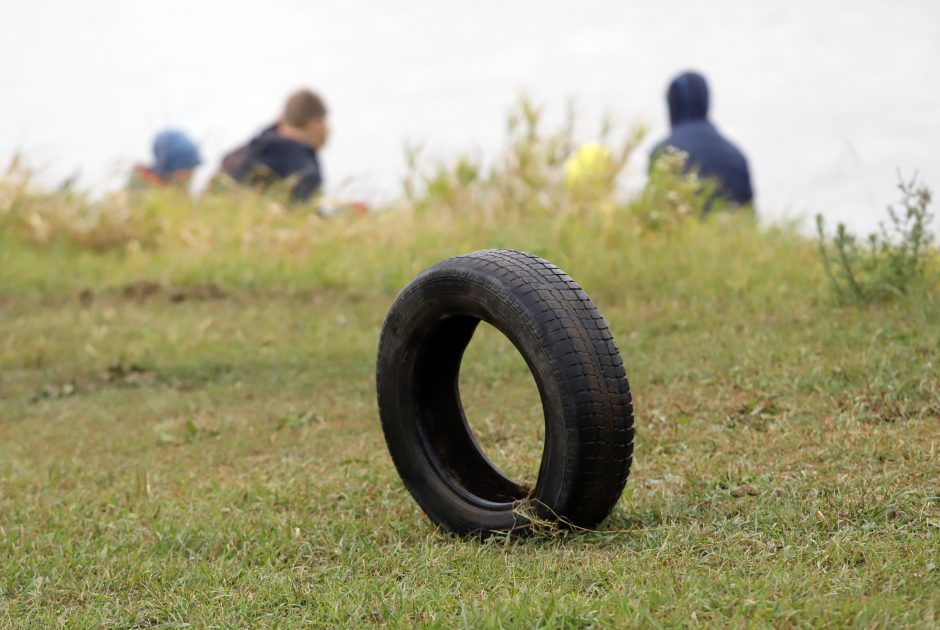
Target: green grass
point(189, 435)
point(218, 460)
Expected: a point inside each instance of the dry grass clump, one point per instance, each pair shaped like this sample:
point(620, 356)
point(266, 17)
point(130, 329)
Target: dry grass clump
point(538, 175)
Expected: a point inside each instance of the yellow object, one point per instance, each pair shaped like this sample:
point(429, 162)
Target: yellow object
point(589, 167)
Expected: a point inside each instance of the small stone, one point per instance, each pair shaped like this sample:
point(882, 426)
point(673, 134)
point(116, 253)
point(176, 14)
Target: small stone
point(745, 490)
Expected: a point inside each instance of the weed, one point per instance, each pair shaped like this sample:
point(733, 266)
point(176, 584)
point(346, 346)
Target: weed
point(300, 420)
point(528, 179)
point(672, 195)
point(888, 263)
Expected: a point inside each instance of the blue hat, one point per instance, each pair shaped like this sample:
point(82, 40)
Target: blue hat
point(688, 98)
point(174, 151)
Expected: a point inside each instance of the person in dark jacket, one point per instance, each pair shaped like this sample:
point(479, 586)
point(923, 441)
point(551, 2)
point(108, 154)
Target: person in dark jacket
point(287, 150)
point(709, 153)
point(175, 158)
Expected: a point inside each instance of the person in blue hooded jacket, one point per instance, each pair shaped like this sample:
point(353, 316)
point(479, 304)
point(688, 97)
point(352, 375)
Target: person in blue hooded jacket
point(709, 153)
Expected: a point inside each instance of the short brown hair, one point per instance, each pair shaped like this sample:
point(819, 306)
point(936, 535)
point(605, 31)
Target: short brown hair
point(302, 107)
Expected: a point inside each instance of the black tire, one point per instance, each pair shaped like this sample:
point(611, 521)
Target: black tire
point(577, 368)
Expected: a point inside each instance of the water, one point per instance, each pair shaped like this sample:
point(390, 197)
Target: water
point(828, 99)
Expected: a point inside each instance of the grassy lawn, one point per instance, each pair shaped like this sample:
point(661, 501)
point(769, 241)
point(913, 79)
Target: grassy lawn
point(189, 436)
point(189, 433)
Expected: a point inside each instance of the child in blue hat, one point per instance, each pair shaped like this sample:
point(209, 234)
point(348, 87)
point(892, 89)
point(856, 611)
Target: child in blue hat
point(176, 157)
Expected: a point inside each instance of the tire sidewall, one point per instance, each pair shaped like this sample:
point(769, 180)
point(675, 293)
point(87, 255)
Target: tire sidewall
point(449, 290)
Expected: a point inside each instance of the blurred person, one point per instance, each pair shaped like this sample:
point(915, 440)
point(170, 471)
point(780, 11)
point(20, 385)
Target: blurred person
point(175, 158)
point(709, 153)
point(286, 150)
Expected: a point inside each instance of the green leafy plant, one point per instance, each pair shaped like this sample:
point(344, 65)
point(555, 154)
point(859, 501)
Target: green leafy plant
point(889, 262)
point(532, 176)
point(673, 195)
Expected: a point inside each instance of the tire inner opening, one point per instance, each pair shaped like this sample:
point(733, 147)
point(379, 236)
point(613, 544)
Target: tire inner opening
point(483, 414)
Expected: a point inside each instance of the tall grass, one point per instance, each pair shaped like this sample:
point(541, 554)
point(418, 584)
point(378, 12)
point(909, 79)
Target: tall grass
point(526, 198)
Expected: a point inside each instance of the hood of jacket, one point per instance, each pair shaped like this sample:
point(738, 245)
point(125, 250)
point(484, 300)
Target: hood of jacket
point(688, 98)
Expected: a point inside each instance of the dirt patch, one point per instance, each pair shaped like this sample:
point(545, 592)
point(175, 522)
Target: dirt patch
point(205, 291)
point(141, 290)
point(129, 373)
point(756, 413)
point(873, 405)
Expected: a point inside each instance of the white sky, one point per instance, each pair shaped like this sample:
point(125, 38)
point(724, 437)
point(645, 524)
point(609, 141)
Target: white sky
point(828, 99)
